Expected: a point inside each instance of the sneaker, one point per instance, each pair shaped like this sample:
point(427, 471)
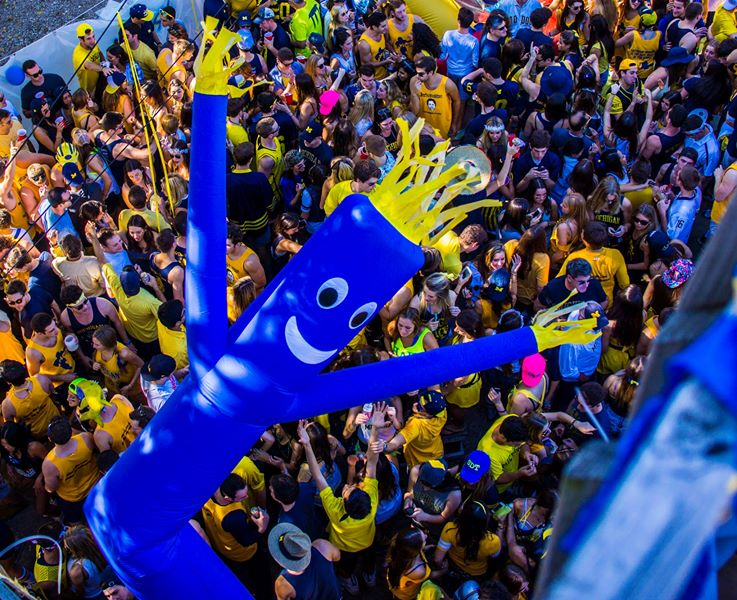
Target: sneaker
point(369, 579)
point(350, 585)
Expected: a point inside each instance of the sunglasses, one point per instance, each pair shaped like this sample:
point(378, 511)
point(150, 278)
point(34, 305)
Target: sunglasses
point(642, 221)
point(15, 302)
point(79, 306)
point(37, 73)
point(38, 179)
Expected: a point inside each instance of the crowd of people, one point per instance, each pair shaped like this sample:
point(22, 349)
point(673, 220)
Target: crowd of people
point(608, 130)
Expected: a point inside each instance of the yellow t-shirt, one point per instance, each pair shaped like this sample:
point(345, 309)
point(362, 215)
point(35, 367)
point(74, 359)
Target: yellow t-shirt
point(504, 459)
point(347, 534)
point(235, 133)
point(146, 59)
point(87, 79)
point(450, 249)
point(254, 479)
point(607, 265)
point(156, 222)
point(422, 439)
point(537, 276)
point(174, 344)
point(336, 195)
point(138, 313)
point(490, 546)
point(724, 24)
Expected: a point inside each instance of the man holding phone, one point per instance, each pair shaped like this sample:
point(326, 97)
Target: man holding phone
point(537, 162)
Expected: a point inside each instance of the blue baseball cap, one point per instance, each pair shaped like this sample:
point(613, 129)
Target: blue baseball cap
point(477, 464)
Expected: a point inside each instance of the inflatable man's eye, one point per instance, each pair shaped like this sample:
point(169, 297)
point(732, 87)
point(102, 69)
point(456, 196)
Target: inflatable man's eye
point(332, 292)
point(362, 315)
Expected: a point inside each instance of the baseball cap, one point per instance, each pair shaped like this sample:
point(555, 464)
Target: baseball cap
point(648, 18)
point(317, 41)
point(290, 546)
point(244, 19)
point(431, 402)
point(72, 174)
point(130, 281)
point(498, 290)
point(160, 365)
point(556, 79)
point(729, 4)
point(312, 131)
point(533, 369)
point(433, 472)
point(141, 11)
point(628, 64)
point(695, 121)
point(659, 244)
point(84, 29)
point(328, 100)
point(678, 273)
point(264, 15)
point(114, 81)
point(477, 464)
point(246, 42)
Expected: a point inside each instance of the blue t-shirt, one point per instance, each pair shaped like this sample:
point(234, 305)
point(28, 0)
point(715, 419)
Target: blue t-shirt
point(519, 16)
point(461, 51)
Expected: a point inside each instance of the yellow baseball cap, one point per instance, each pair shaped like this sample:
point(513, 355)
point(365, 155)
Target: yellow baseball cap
point(84, 29)
point(628, 64)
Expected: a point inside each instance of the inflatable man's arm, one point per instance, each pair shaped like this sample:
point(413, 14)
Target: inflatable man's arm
point(206, 220)
point(396, 376)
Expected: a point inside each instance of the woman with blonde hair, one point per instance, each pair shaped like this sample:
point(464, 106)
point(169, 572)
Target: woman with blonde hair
point(436, 305)
point(622, 387)
point(407, 335)
point(83, 110)
point(240, 296)
point(339, 19)
point(85, 564)
point(566, 235)
point(609, 206)
point(171, 62)
point(341, 169)
point(392, 97)
point(179, 188)
point(177, 96)
point(362, 112)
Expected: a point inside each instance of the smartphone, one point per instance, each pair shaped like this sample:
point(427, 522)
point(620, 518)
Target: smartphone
point(501, 510)
point(535, 213)
point(466, 272)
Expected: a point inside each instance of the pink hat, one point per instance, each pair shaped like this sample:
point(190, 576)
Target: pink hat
point(533, 369)
point(328, 100)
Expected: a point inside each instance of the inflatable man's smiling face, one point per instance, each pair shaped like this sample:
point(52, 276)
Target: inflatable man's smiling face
point(328, 292)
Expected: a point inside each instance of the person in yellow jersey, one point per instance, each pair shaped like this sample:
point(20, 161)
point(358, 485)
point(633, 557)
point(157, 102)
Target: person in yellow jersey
point(435, 98)
point(372, 48)
point(420, 436)
point(46, 353)
point(69, 469)
point(173, 336)
point(255, 481)
point(642, 45)
point(351, 516)
point(117, 363)
point(235, 132)
point(724, 24)
point(86, 59)
point(725, 184)
point(241, 261)
point(270, 154)
point(365, 177)
point(452, 245)
point(306, 21)
point(234, 533)
point(29, 398)
point(10, 347)
point(142, 53)
point(399, 26)
point(504, 443)
point(607, 264)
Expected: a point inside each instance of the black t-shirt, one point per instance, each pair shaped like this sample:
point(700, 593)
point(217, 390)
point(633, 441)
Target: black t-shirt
point(281, 40)
point(475, 126)
point(248, 199)
point(51, 83)
point(556, 291)
point(322, 154)
point(528, 37)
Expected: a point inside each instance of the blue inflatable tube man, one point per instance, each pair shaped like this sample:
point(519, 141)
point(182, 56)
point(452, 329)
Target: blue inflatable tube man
point(269, 366)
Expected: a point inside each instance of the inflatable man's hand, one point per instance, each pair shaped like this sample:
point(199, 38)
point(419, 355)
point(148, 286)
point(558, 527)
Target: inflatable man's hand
point(565, 332)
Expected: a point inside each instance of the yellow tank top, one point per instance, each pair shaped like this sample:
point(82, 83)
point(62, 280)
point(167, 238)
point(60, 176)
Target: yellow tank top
point(378, 50)
point(643, 51)
point(435, 107)
point(35, 409)
point(78, 473)
point(223, 542)
point(237, 267)
point(43, 573)
point(119, 427)
point(401, 40)
point(81, 117)
point(277, 156)
point(537, 403)
point(10, 347)
point(399, 349)
point(18, 216)
point(57, 360)
point(409, 588)
point(117, 373)
point(639, 197)
point(719, 208)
